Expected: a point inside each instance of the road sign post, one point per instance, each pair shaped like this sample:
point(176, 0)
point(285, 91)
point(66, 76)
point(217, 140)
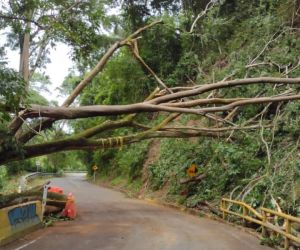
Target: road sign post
point(94, 174)
point(38, 166)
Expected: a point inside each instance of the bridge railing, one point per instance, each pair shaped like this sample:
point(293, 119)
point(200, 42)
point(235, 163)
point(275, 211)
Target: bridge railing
point(250, 214)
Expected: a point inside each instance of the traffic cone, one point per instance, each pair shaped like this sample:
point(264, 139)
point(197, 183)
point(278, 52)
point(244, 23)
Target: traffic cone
point(70, 209)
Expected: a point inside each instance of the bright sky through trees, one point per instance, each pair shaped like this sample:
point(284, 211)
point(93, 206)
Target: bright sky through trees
point(57, 69)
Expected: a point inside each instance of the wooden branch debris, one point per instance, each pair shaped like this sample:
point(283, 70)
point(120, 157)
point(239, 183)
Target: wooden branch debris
point(214, 210)
point(197, 178)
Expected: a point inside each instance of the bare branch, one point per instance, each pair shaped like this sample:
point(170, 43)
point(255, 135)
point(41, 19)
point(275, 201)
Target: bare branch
point(108, 110)
point(140, 30)
point(225, 84)
point(208, 7)
point(214, 130)
point(272, 39)
point(199, 102)
point(41, 54)
point(134, 48)
point(197, 178)
point(23, 19)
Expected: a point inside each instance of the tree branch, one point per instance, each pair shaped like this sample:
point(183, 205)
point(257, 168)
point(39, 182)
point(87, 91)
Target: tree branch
point(58, 113)
point(17, 123)
point(224, 84)
point(197, 178)
point(208, 7)
point(79, 143)
point(23, 19)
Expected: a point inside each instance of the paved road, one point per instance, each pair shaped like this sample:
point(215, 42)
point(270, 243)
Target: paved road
point(108, 221)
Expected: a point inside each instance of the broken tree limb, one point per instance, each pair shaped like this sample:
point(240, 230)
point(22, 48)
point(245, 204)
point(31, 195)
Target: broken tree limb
point(79, 143)
point(197, 178)
point(200, 89)
point(47, 123)
point(58, 113)
point(209, 206)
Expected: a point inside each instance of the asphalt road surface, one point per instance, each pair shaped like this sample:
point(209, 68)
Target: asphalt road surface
point(108, 220)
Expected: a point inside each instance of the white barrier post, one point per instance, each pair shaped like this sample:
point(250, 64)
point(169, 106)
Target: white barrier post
point(44, 200)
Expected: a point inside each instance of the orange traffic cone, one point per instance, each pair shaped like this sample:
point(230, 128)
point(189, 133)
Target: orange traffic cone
point(70, 209)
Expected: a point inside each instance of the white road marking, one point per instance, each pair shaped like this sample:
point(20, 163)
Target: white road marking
point(27, 244)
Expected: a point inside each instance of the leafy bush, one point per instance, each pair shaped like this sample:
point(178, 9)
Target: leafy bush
point(3, 176)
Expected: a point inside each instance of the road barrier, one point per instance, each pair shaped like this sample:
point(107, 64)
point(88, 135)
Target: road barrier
point(18, 219)
point(33, 175)
point(39, 174)
point(250, 214)
point(75, 172)
point(24, 179)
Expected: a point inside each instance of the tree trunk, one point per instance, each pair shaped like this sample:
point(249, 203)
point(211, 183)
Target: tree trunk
point(24, 50)
point(25, 56)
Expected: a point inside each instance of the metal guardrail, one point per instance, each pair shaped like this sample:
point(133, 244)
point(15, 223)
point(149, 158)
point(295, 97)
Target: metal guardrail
point(37, 174)
point(27, 177)
point(250, 214)
point(75, 172)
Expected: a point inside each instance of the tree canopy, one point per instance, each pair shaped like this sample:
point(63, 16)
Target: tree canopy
point(82, 24)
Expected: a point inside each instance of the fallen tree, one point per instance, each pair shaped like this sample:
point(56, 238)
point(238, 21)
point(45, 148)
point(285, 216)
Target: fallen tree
point(36, 193)
point(31, 120)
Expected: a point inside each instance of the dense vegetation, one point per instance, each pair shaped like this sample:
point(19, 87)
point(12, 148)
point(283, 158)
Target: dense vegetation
point(234, 39)
point(230, 39)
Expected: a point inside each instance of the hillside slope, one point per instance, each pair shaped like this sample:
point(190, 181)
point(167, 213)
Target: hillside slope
point(261, 167)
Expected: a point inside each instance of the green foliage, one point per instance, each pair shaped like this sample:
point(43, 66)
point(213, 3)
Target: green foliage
point(232, 162)
point(235, 39)
point(161, 47)
point(8, 142)
point(130, 160)
point(121, 82)
point(15, 168)
point(58, 162)
point(75, 24)
point(290, 124)
point(175, 156)
point(3, 177)
point(126, 161)
point(35, 98)
point(273, 241)
point(12, 89)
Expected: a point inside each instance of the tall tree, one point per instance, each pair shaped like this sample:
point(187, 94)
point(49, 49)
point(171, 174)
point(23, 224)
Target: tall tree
point(36, 25)
point(173, 100)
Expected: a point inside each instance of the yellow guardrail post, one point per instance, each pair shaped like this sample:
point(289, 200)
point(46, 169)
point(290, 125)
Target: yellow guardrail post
point(223, 206)
point(245, 213)
point(288, 231)
point(264, 220)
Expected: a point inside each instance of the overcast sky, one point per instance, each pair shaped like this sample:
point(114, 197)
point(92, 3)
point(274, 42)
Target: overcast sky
point(57, 70)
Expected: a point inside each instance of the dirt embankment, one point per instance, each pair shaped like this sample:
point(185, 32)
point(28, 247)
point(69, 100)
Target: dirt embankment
point(152, 156)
